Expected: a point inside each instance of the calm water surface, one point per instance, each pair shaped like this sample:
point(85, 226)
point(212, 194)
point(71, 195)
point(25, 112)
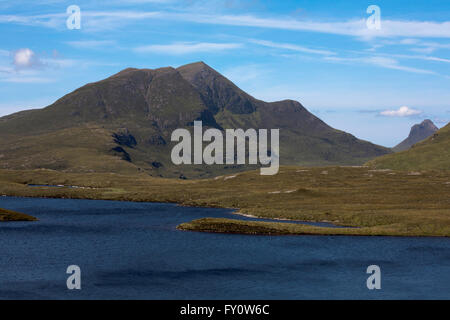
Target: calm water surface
point(132, 250)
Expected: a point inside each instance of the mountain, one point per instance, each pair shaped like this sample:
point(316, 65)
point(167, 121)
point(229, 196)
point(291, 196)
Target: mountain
point(418, 133)
point(431, 154)
point(123, 124)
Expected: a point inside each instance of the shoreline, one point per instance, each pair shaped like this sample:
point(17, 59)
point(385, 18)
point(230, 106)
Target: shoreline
point(327, 224)
point(235, 211)
point(290, 220)
point(344, 201)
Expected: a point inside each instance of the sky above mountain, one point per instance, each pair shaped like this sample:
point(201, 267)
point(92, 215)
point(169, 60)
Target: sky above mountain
point(374, 83)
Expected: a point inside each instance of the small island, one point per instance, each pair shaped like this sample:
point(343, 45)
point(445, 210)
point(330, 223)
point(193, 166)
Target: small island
point(232, 226)
point(8, 215)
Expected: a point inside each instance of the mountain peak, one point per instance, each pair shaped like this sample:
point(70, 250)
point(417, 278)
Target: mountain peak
point(418, 133)
point(427, 123)
point(197, 69)
point(198, 64)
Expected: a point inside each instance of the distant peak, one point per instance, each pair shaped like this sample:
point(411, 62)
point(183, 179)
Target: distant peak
point(198, 63)
point(126, 70)
point(196, 66)
point(428, 124)
point(419, 132)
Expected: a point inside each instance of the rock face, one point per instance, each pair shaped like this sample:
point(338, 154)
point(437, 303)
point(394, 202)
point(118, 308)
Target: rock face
point(124, 124)
point(419, 132)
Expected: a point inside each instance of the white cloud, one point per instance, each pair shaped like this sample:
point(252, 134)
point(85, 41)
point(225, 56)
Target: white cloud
point(25, 58)
point(187, 47)
point(401, 112)
point(292, 47)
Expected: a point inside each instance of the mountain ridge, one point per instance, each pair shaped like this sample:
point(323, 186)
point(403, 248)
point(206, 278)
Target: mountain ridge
point(85, 130)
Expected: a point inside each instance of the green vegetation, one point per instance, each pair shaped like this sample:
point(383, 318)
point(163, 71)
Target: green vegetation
point(8, 215)
point(378, 202)
point(431, 154)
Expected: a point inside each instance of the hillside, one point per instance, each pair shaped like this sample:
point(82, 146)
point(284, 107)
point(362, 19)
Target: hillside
point(123, 125)
point(419, 132)
point(430, 154)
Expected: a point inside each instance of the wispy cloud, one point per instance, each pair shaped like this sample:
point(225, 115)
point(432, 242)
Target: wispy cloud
point(401, 112)
point(390, 63)
point(22, 75)
point(427, 58)
point(91, 44)
point(352, 27)
point(292, 47)
point(380, 61)
point(246, 73)
point(418, 45)
point(139, 1)
point(357, 28)
point(187, 47)
point(20, 79)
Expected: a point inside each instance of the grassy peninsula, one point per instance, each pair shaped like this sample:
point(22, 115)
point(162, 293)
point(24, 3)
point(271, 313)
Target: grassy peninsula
point(375, 201)
point(8, 215)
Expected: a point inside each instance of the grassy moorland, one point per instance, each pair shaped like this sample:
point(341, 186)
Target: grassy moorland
point(8, 215)
point(377, 202)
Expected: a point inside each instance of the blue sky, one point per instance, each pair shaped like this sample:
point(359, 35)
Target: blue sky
point(373, 83)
